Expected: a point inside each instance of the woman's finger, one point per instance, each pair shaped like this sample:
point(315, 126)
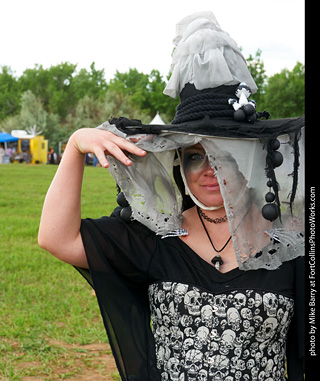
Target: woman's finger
point(120, 148)
point(127, 146)
point(103, 143)
point(101, 156)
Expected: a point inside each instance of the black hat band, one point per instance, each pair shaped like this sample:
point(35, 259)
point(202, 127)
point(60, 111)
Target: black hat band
point(203, 105)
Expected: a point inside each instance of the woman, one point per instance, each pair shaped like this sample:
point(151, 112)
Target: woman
point(2, 153)
point(51, 156)
point(216, 265)
point(203, 184)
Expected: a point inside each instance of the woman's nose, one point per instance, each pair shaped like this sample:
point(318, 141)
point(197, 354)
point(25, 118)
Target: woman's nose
point(207, 169)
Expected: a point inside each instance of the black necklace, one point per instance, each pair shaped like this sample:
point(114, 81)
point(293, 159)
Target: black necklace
point(216, 260)
point(217, 220)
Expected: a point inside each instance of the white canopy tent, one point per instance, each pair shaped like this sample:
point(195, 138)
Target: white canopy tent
point(157, 120)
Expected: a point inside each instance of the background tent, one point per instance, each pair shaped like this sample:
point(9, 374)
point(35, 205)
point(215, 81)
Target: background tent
point(157, 120)
point(5, 138)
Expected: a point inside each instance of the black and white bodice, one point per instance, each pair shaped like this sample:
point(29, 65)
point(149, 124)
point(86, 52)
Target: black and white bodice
point(235, 335)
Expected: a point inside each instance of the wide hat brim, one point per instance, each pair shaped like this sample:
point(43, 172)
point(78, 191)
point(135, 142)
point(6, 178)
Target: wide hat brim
point(209, 113)
point(216, 127)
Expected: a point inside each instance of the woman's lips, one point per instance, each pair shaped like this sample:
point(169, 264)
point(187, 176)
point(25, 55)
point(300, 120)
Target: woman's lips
point(211, 187)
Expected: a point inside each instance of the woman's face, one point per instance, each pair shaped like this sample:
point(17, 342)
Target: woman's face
point(200, 176)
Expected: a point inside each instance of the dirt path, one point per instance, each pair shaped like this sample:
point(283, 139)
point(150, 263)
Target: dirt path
point(92, 362)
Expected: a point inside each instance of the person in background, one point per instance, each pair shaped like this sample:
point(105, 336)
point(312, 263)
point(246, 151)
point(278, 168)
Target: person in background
point(51, 156)
point(2, 153)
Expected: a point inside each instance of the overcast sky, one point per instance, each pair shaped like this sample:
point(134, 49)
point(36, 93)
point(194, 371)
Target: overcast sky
point(123, 34)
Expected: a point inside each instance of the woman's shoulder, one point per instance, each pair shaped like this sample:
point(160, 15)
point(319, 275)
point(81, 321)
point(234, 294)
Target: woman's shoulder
point(128, 246)
point(116, 228)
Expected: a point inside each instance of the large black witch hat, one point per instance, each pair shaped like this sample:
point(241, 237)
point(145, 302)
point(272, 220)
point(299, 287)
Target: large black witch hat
point(258, 160)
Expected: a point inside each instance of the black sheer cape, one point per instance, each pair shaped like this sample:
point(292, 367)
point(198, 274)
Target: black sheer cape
point(124, 258)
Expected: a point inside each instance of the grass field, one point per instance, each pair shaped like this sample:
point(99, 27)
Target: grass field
point(50, 326)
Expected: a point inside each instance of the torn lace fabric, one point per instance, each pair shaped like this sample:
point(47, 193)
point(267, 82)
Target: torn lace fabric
point(240, 167)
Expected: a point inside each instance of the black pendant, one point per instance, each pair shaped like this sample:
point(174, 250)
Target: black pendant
point(217, 261)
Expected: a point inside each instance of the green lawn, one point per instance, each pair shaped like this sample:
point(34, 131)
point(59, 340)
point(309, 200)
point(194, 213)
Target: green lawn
point(48, 314)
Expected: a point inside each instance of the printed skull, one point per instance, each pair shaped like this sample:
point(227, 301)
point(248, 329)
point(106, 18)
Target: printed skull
point(240, 300)
point(219, 367)
point(192, 301)
point(227, 341)
point(173, 313)
point(267, 330)
point(220, 305)
point(203, 375)
point(207, 315)
point(233, 318)
point(173, 368)
point(176, 339)
point(201, 338)
point(193, 362)
point(179, 290)
point(270, 302)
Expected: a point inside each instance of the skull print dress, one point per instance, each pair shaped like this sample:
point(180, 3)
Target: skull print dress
point(169, 315)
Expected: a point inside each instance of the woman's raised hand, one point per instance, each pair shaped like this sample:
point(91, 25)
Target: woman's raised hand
point(102, 143)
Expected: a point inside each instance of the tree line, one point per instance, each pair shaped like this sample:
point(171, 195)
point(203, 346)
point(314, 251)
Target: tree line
point(60, 99)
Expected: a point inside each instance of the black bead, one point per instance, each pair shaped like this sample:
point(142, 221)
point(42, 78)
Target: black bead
point(239, 115)
point(275, 144)
point(125, 214)
point(252, 118)
point(116, 212)
point(277, 159)
point(121, 200)
point(270, 197)
point(270, 212)
point(269, 183)
point(249, 109)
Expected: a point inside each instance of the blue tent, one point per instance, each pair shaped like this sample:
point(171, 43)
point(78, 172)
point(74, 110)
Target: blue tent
point(6, 138)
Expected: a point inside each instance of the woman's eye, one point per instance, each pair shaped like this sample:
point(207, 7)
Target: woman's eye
point(196, 157)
